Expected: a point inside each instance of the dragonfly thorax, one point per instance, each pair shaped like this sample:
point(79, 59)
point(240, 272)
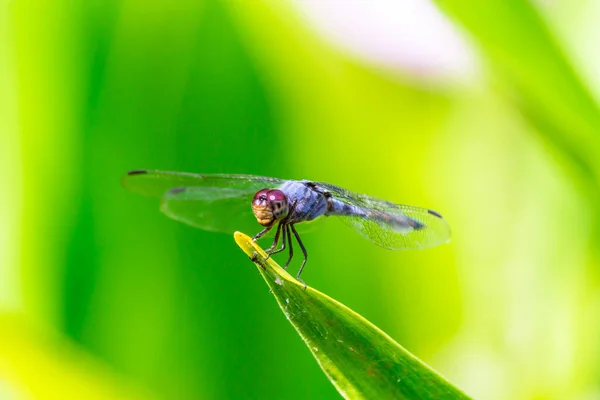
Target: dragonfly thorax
point(269, 206)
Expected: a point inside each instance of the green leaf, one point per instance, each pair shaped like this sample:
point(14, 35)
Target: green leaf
point(359, 359)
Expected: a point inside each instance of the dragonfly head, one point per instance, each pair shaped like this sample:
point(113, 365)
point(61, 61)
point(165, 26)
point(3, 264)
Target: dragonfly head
point(269, 206)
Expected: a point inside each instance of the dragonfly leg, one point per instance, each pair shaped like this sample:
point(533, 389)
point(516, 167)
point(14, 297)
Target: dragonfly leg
point(275, 241)
point(261, 233)
point(289, 238)
point(283, 239)
point(291, 212)
point(305, 255)
point(258, 236)
point(286, 233)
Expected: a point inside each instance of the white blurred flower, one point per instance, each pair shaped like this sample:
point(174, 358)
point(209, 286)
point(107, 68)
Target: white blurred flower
point(411, 36)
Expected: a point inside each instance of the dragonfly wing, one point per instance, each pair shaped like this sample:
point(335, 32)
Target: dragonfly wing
point(156, 183)
point(212, 209)
point(430, 229)
point(201, 208)
point(220, 203)
point(392, 226)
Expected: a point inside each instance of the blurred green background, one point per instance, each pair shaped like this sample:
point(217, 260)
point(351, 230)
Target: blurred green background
point(102, 296)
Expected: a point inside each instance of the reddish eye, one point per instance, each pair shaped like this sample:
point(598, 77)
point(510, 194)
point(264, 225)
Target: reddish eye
point(278, 203)
point(261, 194)
point(276, 196)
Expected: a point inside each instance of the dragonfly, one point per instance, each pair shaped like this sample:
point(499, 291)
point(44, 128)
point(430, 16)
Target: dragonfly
point(225, 203)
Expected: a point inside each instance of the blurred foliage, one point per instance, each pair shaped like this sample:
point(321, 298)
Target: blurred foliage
point(540, 80)
point(39, 365)
point(92, 89)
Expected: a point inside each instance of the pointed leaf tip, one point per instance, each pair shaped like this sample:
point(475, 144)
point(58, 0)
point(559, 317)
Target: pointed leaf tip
point(270, 270)
point(360, 360)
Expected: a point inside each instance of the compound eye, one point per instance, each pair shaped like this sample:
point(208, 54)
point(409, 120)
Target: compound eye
point(276, 196)
point(260, 196)
point(278, 202)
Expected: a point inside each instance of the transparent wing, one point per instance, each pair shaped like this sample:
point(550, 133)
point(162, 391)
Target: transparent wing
point(227, 211)
point(433, 230)
point(392, 226)
point(212, 209)
point(220, 203)
point(155, 183)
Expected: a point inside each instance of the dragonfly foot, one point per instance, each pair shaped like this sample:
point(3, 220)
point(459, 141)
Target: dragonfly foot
point(302, 282)
point(254, 257)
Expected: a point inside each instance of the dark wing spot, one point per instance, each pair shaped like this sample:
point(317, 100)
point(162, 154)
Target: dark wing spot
point(137, 172)
point(177, 190)
point(434, 213)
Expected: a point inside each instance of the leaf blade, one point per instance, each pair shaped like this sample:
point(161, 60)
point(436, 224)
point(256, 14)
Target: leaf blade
point(359, 359)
